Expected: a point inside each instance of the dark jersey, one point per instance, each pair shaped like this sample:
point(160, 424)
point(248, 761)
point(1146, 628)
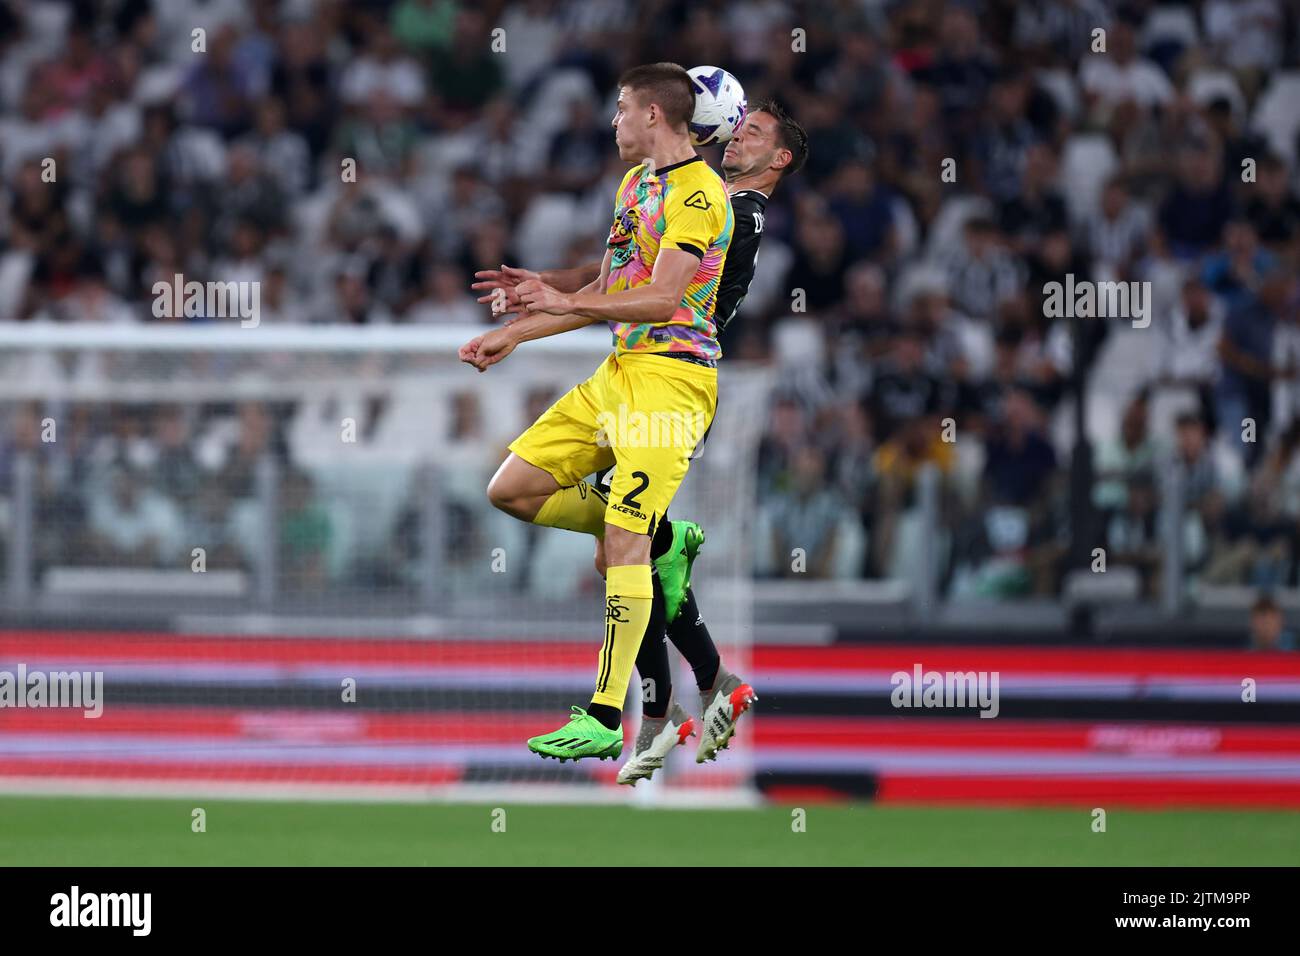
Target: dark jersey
point(747, 207)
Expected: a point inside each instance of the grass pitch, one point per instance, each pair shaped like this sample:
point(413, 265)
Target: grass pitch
point(69, 831)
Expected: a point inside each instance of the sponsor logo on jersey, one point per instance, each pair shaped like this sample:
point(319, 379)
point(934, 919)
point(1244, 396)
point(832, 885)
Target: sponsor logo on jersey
point(697, 200)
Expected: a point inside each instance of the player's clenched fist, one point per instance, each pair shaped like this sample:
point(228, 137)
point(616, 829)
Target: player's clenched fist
point(488, 349)
point(536, 296)
point(469, 351)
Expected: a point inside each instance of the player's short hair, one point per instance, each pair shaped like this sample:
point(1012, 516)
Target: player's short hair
point(667, 85)
point(1264, 604)
point(789, 134)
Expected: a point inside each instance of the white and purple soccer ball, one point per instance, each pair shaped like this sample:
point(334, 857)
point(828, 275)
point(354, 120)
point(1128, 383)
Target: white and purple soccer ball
point(719, 105)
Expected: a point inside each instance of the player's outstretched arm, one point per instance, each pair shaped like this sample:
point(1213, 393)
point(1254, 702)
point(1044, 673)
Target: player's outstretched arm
point(572, 280)
point(490, 348)
point(507, 279)
point(654, 303)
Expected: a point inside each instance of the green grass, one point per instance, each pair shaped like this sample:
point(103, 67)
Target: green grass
point(137, 832)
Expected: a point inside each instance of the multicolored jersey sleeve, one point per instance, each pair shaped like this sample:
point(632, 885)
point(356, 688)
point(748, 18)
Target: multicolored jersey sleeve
point(683, 206)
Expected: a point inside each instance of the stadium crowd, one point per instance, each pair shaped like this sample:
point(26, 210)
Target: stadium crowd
point(963, 156)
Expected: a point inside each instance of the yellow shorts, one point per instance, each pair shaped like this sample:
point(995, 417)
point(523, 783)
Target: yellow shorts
point(642, 413)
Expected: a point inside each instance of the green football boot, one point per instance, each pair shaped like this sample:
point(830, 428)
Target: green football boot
point(674, 566)
point(582, 736)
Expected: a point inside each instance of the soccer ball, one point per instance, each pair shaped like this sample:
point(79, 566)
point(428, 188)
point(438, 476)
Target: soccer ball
point(719, 105)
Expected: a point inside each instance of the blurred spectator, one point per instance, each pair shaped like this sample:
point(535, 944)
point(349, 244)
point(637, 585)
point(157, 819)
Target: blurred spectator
point(1118, 232)
point(1190, 355)
point(962, 69)
point(821, 257)
point(470, 202)
point(280, 151)
point(957, 348)
point(379, 136)
point(58, 457)
point(217, 93)
point(469, 74)
point(1233, 274)
point(1268, 630)
point(999, 543)
point(1038, 208)
point(916, 444)
point(1020, 461)
point(864, 208)
point(444, 298)
point(1004, 142)
point(382, 74)
point(1131, 534)
point(983, 274)
point(1121, 75)
point(1133, 451)
point(576, 155)
point(176, 473)
point(850, 448)
point(302, 79)
point(424, 26)
point(210, 526)
point(305, 535)
point(1245, 386)
point(133, 525)
point(1255, 545)
point(73, 76)
point(904, 391)
point(1056, 259)
point(806, 520)
point(1195, 211)
point(1246, 33)
point(1202, 474)
point(865, 315)
point(1059, 29)
point(279, 304)
point(1273, 209)
point(776, 454)
point(352, 300)
point(238, 472)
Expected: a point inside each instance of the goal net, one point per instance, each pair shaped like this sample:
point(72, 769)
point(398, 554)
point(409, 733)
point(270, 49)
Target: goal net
point(266, 557)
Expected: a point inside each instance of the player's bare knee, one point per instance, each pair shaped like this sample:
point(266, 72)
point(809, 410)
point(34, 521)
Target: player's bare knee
point(623, 547)
point(599, 560)
point(498, 492)
point(520, 489)
point(504, 495)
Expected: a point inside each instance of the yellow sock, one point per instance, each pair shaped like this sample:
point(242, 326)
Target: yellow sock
point(577, 508)
point(628, 596)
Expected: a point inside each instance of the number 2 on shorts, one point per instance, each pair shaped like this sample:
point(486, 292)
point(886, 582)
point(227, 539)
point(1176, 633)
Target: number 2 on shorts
point(629, 499)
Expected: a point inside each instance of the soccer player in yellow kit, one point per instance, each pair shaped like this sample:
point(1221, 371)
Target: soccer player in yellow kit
point(768, 147)
point(657, 290)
